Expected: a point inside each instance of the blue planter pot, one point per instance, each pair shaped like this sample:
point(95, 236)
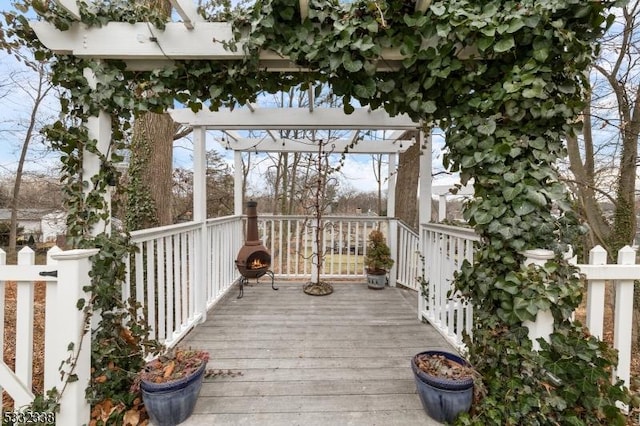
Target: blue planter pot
point(443, 399)
point(171, 403)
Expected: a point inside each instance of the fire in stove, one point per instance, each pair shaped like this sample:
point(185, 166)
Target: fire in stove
point(257, 264)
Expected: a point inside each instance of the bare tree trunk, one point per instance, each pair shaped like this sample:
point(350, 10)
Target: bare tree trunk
point(293, 181)
point(585, 183)
point(41, 92)
point(407, 180)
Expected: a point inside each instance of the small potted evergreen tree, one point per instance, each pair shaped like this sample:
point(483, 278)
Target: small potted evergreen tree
point(378, 260)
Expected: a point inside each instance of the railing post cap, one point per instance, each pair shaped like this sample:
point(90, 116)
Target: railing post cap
point(542, 254)
point(626, 256)
point(626, 249)
point(74, 254)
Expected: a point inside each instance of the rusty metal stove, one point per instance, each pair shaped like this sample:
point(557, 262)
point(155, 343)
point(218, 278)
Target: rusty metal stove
point(253, 260)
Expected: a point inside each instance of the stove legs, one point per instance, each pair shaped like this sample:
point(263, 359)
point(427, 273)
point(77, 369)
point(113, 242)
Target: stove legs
point(244, 280)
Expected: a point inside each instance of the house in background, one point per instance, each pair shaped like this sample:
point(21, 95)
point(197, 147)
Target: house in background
point(43, 225)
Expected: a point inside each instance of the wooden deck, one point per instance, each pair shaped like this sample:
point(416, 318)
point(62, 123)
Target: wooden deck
point(341, 359)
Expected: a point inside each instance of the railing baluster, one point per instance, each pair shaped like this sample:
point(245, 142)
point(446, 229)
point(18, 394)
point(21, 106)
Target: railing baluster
point(24, 326)
point(624, 318)
point(596, 294)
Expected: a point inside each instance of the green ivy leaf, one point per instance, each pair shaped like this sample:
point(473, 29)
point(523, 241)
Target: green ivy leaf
point(504, 45)
point(429, 107)
point(523, 207)
point(482, 217)
point(438, 9)
point(484, 43)
point(352, 66)
point(511, 193)
point(487, 128)
point(386, 86)
point(348, 108)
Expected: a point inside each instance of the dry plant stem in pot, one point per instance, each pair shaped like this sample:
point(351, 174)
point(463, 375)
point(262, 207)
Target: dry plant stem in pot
point(170, 385)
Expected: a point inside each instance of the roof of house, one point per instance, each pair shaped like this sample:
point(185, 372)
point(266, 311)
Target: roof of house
point(24, 214)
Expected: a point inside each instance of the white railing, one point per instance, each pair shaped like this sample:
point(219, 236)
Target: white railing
point(408, 259)
point(224, 240)
point(291, 242)
point(444, 248)
point(179, 271)
point(64, 326)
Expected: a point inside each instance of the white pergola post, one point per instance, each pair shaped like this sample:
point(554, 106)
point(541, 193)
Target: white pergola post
point(424, 197)
point(200, 215)
point(391, 214)
point(199, 174)
point(98, 128)
point(237, 183)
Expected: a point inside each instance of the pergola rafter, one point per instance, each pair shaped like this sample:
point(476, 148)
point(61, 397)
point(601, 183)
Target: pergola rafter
point(188, 12)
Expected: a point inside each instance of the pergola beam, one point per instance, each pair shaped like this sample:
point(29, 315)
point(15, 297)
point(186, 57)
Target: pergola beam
point(293, 119)
point(337, 146)
point(139, 43)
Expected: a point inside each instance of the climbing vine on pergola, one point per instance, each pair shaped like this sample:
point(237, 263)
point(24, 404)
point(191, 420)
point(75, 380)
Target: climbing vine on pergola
point(505, 80)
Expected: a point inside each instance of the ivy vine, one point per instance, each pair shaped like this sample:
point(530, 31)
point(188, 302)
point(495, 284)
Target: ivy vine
point(505, 80)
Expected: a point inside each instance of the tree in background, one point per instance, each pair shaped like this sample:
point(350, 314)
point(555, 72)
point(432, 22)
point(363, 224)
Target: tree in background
point(34, 86)
point(606, 156)
point(604, 160)
point(219, 183)
point(407, 179)
point(150, 189)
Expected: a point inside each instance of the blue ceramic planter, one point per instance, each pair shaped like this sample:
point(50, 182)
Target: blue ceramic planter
point(443, 399)
point(171, 403)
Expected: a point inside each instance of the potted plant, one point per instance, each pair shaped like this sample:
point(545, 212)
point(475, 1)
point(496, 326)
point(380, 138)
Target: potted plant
point(445, 384)
point(170, 385)
point(378, 260)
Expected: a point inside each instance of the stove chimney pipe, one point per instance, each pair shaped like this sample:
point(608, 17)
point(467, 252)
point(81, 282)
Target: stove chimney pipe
point(252, 224)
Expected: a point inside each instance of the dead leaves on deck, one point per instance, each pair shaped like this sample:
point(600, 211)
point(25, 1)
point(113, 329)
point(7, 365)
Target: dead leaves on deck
point(105, 413)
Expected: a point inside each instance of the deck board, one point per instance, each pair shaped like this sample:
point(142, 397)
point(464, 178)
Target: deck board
point(341, 359)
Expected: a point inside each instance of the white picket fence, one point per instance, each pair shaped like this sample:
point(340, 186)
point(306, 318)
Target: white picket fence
point(64, 325)
point(445, 249)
